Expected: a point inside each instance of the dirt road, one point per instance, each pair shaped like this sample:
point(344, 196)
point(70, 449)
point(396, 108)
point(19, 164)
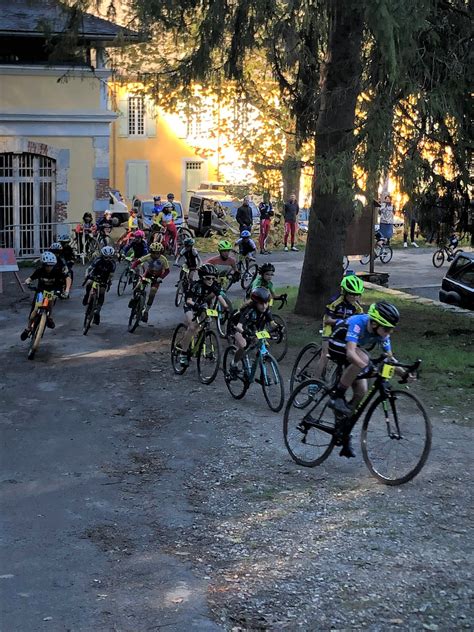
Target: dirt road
point(136, 500)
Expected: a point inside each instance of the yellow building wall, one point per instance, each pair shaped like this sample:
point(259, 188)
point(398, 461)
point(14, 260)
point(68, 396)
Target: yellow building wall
point(34, 92)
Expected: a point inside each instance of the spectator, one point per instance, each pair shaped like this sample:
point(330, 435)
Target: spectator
point(266, 213)
point(387, 212)
point(409, 224)
point(244, 215)
point(290, 214)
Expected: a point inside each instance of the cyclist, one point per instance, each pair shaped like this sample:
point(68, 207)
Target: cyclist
point(346, 346)
point(264, 279)
point(339, 308)
point(50, 277)
point(253, 316)
point(165, 220)
point(57, 250)
point(102, 270)
point(104, 226)
point(247, 247)
point(137, 247)
point(202, 293)
point(191, 257)
point(68, 253)
point(225, 264)
point(157, 268)
point(84, 231)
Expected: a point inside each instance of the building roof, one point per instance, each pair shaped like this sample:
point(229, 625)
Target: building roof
point(29, 18)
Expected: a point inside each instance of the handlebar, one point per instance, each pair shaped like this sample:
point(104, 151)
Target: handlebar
point(283, 300)
point(410, 368)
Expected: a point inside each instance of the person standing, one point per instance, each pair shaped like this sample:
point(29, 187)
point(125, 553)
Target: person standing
point(266, 213)
point(290, 214)
point(387, 212)
point(409, 224)
point(244, 215)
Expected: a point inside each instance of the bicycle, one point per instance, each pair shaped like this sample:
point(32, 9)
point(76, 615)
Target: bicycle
point(183, 284)
point(396, 426)
point(238, 381)
point(248, 270)
point(279, 335)
point(445, 252)
point(138, 302)
point(305, 366)
point(223, 315)
point(92, 304)
point(204, 346)
point(382, 251)
point(42, 309)
point(171, 246)
point(128, 277)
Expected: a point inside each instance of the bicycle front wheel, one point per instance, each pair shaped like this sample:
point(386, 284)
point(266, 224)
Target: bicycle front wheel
point(438, 258)
point(178, 299)
point(89, 315)
point(386, 254)
point(223, 316)
point(123, 281)
point(176, 350)
point(235, 380)
point(304, 367)
point(209, 357)
point(248, 276)
point(309, 427)
point(136, 313)
point(272, 382)
point(279, 339)
point(365, 260)
point(396, 437)
point(36, 336)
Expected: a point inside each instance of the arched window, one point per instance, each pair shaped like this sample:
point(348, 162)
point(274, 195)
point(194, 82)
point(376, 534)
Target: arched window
point(27, 201)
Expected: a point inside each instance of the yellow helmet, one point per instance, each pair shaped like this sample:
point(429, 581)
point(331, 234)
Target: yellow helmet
point(156, 247)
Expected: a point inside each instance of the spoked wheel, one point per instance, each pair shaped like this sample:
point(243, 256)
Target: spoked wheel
point(36, 336)
point(386, 254)
point(438, 258)
point(248, 276)
point(308, 429)
point(304, 367)
point(209, 357)
point(223, 317)
point(123, 281)
point(237, 383)
point(89, 315)
point(345, 262)
point(279, 339)
point(272, 382)
point(365, 259)
point(136, 313)
point(178, 299)
point(396, 438)
point(176, 352)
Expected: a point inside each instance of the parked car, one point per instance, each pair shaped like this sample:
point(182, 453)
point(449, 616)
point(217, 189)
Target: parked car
point(207, 214)
point(457, 287)
point(117, 207)
point(144, 208)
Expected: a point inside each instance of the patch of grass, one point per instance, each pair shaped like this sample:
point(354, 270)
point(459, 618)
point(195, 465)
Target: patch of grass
point(442, 340)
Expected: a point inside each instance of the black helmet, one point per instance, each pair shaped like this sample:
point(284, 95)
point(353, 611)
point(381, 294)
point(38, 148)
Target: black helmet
point(384, 314)
point(260, 295)
point(207, 270)
point(266, 267)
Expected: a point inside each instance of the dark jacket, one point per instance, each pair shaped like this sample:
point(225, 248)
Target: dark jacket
point(290, 211)
point(244, 215)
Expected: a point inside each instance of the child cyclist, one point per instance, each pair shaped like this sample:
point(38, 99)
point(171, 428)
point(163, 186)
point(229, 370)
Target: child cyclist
point(157, 268)
point(102, 270)
point(57, 250)
point(247, 247)
point(346, 347)
point(339, 308)
point(264, 279)
point(225, 264)
point(191, 257)
point(137, 247)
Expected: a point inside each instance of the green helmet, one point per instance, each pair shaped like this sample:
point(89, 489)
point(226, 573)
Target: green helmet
point(224, 245)
point(352, 284)
point(384, 314)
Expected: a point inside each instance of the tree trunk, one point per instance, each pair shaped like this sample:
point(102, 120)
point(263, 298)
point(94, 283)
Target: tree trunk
point(291, 169)
point(333, 208)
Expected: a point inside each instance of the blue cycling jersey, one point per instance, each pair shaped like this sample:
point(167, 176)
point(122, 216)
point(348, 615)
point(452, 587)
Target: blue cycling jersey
point(357, 332)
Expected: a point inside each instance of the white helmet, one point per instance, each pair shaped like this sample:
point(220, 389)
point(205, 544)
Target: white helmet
point(49, 259)
point(56, 246)
point(107, 251)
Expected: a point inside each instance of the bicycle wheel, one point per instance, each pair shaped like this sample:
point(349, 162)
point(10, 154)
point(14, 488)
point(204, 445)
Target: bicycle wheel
point(438, 258)
point(345, 262)
point(279, 339)
point(308, 430)
point(248, 276)
point(365, 259)
point(178, 336)
point(178, 299)
point(272, 382)
point(89, 315)
point(396, 437)
point(36, 335)
point(304, 367)
point(208, 357)
point(386, 254)
point(123, 281)
point(223, 317)
point(238, 385)
point(136, 312)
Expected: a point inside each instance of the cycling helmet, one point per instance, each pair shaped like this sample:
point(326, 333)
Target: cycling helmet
point(56, 247)
point(107, 213)
point(48, 259)
point(189, 241)
point(64, 238)
point(384, 314)
point(156, 198)
point(245, 233)
point(107, 251)
point(139, 234)
point(207, 270)
point(156, 247)
point(260, 295)
point(224, 245)
point(168, 206)
point(266, 267)
point(352, 284)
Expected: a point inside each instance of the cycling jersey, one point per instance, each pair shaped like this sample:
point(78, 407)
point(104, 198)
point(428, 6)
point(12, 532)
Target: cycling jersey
point(104, 224)
point(339, 309)
point(154, 267)
point(354, 329)
point(136, 248)
point(222, 264)
point(51, 280)
point(201, 293)
point(260, 282)
point(101, 269)
point(246, 246)
point(191, 257)
point(164, 217)
point(132, 222)
point(251, 319)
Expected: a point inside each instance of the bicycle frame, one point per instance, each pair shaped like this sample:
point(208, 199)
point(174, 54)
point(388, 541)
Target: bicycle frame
point(262, 350)
point(204, 325)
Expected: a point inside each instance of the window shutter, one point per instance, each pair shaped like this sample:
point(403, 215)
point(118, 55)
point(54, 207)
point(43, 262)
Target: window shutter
point(123, 117)
point(151, 116)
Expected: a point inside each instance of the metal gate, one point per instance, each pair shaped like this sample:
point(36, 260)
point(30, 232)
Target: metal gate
point(27, 201)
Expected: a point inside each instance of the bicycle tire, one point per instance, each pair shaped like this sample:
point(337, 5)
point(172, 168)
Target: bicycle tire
point(89, 315)
point(179, 296)
point(271, 378)
point(208, 348)
point(345, 262)
point(248, 276)
point(36, 336)
point(438, 258)
point(136, 313)
point(386, 254)
point(302, 368)
point(237, 387)
point(398, 406)
point(311, 445)
point(123, 281)
point(178, 334)
point(365, 259)
point(223, 317)
point(279, 340)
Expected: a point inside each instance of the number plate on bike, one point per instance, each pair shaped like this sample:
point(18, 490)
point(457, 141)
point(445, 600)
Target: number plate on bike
point(212, 312)
point(262, 334)
point(388, 371)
